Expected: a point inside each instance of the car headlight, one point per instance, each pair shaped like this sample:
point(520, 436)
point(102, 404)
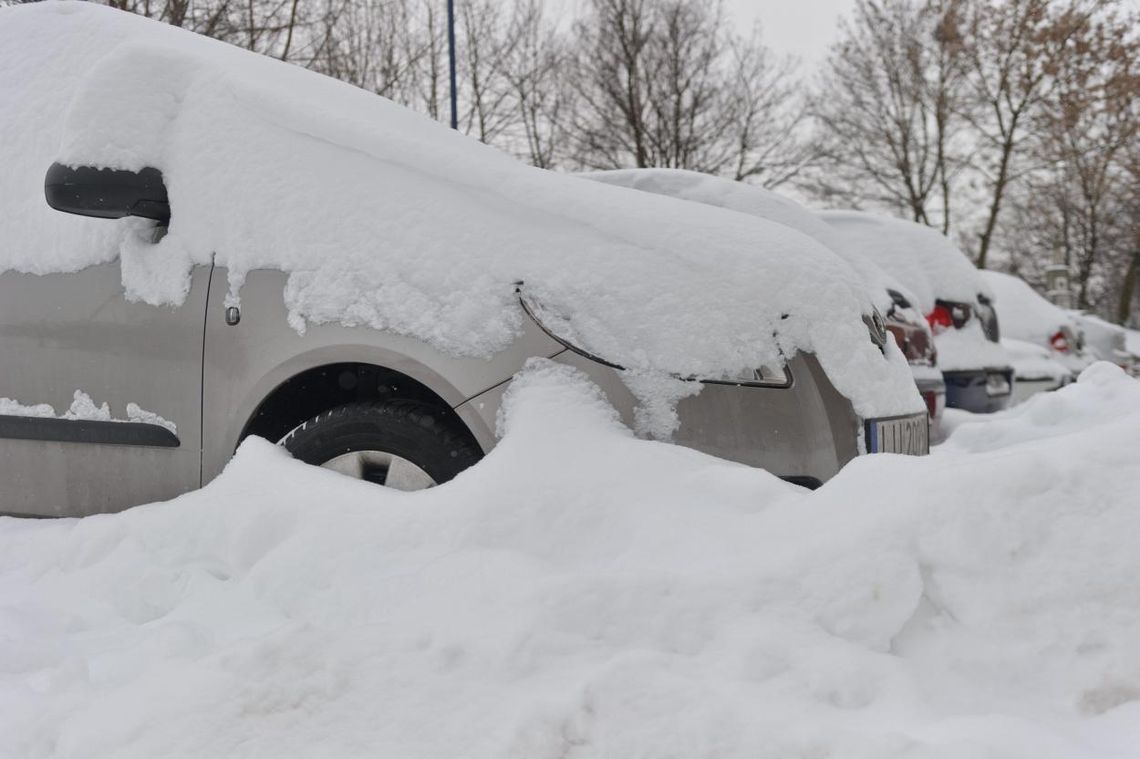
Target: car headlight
point(762, 377)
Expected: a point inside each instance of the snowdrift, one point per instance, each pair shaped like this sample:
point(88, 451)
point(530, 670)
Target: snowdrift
point(647, 601)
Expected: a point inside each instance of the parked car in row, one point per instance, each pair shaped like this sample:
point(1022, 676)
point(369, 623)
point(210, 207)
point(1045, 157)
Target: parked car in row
point(906, 326)
point(1105, 341)
point(1045, 343)
point(1035, 369)
point(275, 253)
point(957, 303)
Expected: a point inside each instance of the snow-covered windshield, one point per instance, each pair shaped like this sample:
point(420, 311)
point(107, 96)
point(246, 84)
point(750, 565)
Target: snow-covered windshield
point(382, 217)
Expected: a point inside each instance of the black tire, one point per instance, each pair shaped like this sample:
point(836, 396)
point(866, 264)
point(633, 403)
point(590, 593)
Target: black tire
point(411, 430)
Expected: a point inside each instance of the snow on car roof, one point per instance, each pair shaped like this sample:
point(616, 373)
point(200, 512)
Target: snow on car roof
point(924, 259)
point(759, 202)
point(1022, 312)
point(382, 217)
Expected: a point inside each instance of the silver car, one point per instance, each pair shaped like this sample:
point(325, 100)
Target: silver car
point(385, 408)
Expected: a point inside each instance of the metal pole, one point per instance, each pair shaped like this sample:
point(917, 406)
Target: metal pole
point(451, 61)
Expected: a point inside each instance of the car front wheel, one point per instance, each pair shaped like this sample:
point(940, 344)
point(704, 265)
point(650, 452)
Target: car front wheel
point(401, 444)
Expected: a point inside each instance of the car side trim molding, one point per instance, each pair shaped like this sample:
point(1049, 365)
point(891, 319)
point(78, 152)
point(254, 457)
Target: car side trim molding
point(87, 431)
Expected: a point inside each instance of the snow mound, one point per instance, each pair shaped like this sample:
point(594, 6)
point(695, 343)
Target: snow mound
point(646, 601)
point(382, 217)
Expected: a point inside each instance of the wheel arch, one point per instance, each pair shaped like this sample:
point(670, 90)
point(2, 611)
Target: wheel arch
point(316, 381)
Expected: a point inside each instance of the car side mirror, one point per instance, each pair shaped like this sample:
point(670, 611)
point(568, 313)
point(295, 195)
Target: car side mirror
point(107, 193)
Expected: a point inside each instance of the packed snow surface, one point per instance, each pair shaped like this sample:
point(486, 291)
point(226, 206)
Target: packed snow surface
point(648, 601)
point(385, 218)
point(922, 258)
point(759, 202)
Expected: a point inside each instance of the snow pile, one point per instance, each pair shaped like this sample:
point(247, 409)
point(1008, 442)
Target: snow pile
point(759, 202)
point(647, 601)
point(83, 407)
point(384, 218)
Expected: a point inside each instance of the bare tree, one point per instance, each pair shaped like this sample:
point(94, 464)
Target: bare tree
point(768, 116)
point(1014, 47)
point(667, 83)
point(887, 106)
point(543, 95)
point(1130, 212)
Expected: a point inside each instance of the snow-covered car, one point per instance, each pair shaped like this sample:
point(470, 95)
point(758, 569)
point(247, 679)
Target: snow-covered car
point(1104, 341)
point(1036, 369)
point(908, 328)
point(284, 255)
point(957, 303)
point(1025, 315)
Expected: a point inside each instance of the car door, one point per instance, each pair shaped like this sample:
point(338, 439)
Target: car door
point(68, 337)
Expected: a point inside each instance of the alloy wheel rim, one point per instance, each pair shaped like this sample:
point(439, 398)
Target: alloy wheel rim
point(381, 468)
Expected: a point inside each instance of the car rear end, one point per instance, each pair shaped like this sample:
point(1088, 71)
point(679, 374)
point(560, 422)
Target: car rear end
point(976, 370)
point(914, 338)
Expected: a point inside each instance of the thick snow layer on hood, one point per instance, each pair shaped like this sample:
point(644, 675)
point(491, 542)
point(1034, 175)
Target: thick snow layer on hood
point(923, 259)
point(759, 202)
point(1022, 313)
point(384, 218)
point(1033, 362)
point(649, 601)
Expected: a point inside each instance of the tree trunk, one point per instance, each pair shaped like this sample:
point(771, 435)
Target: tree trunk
point(995, 203)
point(1128, 289)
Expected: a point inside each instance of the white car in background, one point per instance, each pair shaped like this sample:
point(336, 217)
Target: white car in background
point(1035, 369)
point(1106, 341)
point(1045, 341)
point(957, 303)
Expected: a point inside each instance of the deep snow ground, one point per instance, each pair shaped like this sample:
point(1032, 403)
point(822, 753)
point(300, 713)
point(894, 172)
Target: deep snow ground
point(584, 593)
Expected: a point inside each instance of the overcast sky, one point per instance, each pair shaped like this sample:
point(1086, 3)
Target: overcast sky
point(801, 27)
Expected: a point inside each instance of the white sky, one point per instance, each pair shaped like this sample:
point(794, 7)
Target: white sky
point(803, 28)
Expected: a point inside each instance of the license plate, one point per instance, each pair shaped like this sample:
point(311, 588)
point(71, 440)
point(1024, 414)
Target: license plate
point(907, 434)
point(996, 384)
